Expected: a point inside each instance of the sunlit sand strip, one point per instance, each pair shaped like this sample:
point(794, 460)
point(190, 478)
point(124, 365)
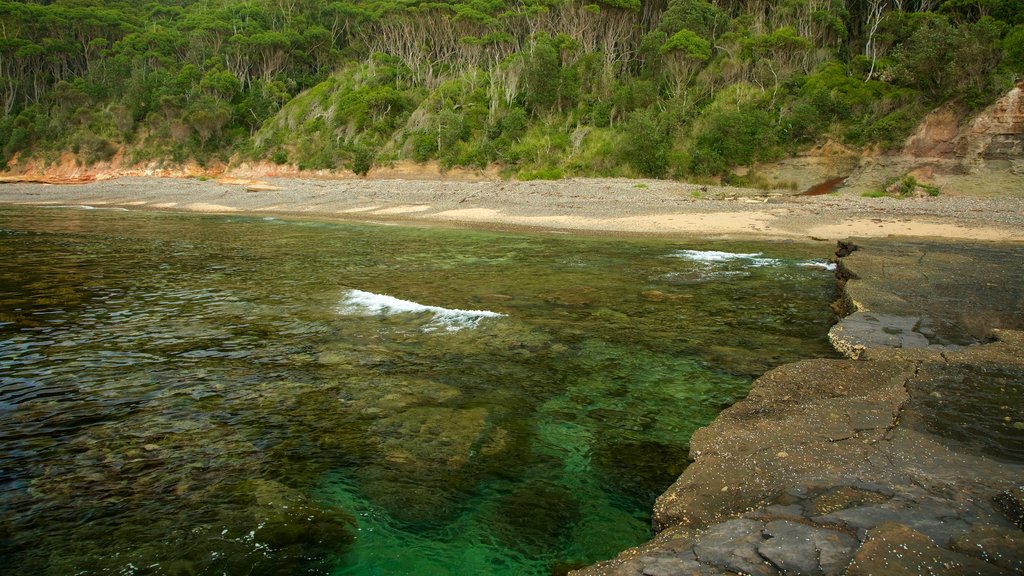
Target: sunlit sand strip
point(698, 222)
point(873, 228)
point(403, 209)
point(369, 208)
point(204, 207)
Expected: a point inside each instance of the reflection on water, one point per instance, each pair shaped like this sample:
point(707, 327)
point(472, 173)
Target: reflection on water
point(187, 394)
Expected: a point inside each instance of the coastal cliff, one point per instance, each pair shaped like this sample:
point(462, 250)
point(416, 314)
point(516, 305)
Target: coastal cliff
point(956, 151)
point(907, 459)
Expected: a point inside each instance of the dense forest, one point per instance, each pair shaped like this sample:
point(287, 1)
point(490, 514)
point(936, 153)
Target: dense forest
point(542, 88)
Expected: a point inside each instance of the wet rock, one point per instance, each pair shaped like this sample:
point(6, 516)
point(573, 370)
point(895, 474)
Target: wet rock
point(609, 315)
point(898, 550)
point(434, 436)
point(732, 545)
point(971, 405)
point(1003, 547)
point(284, 518)
point(1011, 503)
point(939, 520)
point(676, 566)
point(573, 296)
point(796, 548)
point(389, 396)
point(842, 497)
point(659, 296)
point(870, 329)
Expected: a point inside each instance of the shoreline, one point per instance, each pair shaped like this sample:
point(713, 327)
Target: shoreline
point(580, 206)
point(862, 465)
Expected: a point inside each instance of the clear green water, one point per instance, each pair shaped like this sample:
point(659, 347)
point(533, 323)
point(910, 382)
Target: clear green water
point(186, 394)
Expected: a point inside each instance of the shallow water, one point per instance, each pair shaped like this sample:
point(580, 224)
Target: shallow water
point(185, 394)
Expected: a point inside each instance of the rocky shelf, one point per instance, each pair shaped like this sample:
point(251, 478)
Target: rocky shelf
point(905, 458)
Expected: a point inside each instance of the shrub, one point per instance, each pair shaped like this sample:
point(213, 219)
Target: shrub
point(551, 173)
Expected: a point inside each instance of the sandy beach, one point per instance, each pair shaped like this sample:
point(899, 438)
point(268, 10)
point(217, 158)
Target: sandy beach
point(614, 206)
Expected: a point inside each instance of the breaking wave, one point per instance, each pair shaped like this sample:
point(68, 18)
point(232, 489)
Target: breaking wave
point(452, 320)
point(750, 260)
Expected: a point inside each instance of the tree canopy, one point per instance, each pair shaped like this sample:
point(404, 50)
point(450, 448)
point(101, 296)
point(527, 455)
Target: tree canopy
point(541, 87)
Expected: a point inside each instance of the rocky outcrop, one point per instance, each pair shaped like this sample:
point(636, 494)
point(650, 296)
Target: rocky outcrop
point(996, 137)
point(907, 460)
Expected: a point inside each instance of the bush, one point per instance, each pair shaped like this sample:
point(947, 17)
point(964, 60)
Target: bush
point(734, 137)
point(645, 144)
point(903, 187)
point(362, 159)
point(541, 174)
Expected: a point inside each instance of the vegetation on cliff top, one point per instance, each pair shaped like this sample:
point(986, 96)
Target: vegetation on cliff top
point(543, 88)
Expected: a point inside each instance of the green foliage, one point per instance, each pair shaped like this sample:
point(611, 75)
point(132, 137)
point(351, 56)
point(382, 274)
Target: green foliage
point(645, 144)
point(611, 87)
point(543, 73)
point(541, 174)
point(904, 187)
point(733, 135)
point(946, 61)
point(688, 45)
point(1013, 50)
point(702, 17)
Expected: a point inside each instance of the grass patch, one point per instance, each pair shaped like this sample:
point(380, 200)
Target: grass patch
point(541, 174)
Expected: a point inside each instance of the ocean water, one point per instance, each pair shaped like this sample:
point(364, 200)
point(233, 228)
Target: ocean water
point(189, 394)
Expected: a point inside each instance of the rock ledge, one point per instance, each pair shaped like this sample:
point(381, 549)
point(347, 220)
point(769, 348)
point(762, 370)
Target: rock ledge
point(906, 458)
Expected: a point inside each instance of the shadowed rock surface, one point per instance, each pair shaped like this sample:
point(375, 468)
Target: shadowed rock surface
point(908, 458)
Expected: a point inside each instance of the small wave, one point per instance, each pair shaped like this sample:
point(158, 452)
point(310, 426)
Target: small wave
point(819, 264)
point(749, 260)
point(449, 319)
point(87, 207)
point(712, 255)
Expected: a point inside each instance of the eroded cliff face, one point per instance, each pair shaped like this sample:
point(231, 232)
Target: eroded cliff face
point(962, 154)
point(995, 139)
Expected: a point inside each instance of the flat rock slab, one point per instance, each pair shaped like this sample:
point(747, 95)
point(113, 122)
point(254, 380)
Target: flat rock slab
point(958, 292)
point(907, 460)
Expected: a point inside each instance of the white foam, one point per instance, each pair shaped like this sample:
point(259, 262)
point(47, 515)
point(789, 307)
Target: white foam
point(450, 319)
point(87, 207)
point(823, 264)
point(749, 260)
point(761, 262)
point(712, 255)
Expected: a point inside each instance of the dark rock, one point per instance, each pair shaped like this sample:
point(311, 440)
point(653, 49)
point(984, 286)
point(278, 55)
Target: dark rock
point(1011, 503)
point(837, 498)
point(1003, 547)
point(898, 550)
point(732, 545)
point(871, 329)
point(671, 566)
point(938, 521)
point(797, 548)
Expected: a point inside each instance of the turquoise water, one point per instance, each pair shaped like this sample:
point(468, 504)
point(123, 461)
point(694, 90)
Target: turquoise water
point(185, 394)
